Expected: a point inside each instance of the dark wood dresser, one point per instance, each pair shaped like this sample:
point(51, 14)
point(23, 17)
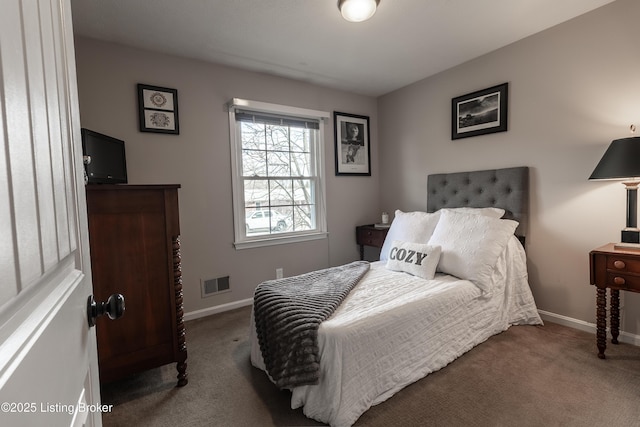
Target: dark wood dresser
point(617, 269)
point(134, 234)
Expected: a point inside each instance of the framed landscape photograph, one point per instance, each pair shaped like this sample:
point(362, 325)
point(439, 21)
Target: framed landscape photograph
point(353, 153)
point(480, 112)
point(158, 109)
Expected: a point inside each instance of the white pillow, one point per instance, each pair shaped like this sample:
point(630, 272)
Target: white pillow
point(491, 212)
point(471, 245)
point(414, 258)
point(414, 227)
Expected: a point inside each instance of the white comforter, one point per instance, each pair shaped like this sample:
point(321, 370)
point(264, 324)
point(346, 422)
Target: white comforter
point(394, 329)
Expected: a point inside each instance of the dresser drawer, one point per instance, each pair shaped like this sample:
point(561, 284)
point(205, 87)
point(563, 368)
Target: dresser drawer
point(623, 264)
point(371, 236)
point(616, 280)
point(616, 268)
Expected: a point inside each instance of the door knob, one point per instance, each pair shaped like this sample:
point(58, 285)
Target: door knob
point(113, 307)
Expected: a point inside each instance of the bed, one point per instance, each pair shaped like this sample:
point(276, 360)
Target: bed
point(402, 321)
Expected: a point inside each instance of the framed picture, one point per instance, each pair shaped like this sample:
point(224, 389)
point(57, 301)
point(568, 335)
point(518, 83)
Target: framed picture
point(353, 154)
point(158, 109)
point(480, 112)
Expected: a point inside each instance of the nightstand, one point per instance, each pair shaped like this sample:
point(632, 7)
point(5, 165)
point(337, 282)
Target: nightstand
point(370, 235)
point(616, 269)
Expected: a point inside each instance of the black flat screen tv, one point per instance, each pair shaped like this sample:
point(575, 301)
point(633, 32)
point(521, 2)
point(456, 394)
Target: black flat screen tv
point(107, 163)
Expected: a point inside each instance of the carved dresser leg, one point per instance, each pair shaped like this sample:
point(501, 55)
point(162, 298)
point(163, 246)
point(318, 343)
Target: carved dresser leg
point(601, 321)
point(180, 330)
point(615, 315)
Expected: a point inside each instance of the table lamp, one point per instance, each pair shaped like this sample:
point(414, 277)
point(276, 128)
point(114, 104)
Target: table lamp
point(622, 161)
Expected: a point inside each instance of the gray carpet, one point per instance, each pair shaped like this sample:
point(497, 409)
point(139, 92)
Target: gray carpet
point(527, 376)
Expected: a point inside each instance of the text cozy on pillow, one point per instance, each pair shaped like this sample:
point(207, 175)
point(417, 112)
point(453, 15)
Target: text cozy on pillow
point(414, 258)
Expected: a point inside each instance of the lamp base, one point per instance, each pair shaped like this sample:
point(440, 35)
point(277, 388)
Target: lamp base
point(630, 236)
point(630, 240)
point(627, 246)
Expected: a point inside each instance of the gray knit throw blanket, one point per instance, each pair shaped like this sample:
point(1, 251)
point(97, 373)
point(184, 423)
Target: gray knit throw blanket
point(288, 313)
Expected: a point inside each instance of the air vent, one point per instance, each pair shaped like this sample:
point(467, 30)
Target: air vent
point(215, 286)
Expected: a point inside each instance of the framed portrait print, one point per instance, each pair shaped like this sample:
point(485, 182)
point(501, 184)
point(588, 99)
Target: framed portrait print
point(480, 112)
point(158, 109)
point(353, 153)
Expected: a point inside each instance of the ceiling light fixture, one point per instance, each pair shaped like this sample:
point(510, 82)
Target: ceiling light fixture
point(357, 10)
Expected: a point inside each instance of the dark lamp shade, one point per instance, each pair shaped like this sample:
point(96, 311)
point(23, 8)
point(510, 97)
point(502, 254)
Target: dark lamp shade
point(620, 161)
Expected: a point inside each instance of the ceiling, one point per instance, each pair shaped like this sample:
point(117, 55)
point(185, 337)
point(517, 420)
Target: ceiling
point(405, 41)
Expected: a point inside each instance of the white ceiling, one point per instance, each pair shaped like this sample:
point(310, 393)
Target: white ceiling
point(405, 41)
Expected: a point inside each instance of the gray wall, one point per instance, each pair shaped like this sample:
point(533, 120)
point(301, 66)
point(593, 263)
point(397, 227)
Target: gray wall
point(199, 160)
point(573, 89)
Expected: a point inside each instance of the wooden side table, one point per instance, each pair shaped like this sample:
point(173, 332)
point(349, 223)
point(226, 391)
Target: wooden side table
point(370, 235)
point(617, 269)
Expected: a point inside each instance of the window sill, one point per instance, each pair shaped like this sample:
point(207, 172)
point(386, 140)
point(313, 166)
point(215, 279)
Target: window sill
point(271, 241)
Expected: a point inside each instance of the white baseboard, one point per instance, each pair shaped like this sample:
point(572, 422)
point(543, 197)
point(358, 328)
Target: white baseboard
point(585, 326)
point(217, 309)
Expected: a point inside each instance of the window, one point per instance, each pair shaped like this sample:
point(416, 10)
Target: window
point(278, 173)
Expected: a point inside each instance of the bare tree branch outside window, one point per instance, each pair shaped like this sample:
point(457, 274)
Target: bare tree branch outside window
point(279, 178)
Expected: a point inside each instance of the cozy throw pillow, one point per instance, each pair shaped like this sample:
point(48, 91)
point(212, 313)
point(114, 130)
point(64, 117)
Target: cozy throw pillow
point(414, 258)
point(471, 245)
point(415, 227)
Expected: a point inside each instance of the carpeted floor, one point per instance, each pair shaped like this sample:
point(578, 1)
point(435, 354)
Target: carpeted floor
point(527, 376)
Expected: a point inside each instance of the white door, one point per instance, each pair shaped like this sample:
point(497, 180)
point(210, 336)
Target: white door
point(48, 363)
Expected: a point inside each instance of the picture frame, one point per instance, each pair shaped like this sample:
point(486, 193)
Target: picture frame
point(481, 112)
point(352, 144)
point(158, 109)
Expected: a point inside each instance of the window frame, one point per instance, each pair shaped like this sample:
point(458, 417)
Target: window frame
point(241, 240)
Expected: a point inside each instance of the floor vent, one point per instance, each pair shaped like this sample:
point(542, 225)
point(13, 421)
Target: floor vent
point(215, 286)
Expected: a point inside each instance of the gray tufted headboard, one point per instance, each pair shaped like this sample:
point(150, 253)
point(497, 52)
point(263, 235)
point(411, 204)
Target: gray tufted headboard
point(502, 188)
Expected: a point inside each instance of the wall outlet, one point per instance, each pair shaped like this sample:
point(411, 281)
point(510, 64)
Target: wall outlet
point(279, 273)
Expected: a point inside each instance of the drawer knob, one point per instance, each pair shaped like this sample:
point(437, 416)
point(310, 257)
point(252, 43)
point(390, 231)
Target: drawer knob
point(619, 264)
point(618, 280)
